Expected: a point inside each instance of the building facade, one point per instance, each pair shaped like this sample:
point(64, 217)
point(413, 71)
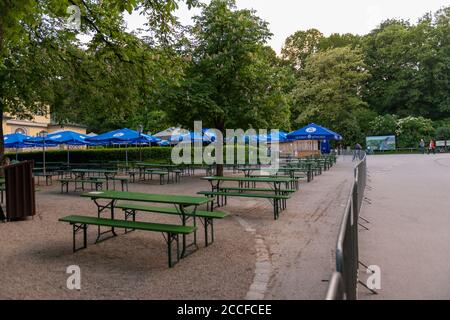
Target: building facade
point(37, 125)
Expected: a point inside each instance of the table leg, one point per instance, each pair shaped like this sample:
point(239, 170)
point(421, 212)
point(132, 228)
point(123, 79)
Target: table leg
point(182, 210)
point(100, 208)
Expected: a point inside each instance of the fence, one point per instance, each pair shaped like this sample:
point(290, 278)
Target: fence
point(343, 284)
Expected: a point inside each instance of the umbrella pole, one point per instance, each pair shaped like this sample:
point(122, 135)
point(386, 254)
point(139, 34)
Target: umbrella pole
point(126, 156)
point(17, 152)
point(43, 149)
point(68, 155)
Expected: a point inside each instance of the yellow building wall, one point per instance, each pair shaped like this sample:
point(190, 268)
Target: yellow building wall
point(33, 128)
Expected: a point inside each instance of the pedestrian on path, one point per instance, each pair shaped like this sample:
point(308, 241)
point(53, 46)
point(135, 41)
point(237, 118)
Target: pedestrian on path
point(432, 147)
point(422, 146)
point(357, 152)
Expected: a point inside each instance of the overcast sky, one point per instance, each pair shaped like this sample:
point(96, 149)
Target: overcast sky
point(329, 16)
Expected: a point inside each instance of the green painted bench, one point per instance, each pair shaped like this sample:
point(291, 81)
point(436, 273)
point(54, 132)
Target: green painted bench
point(123, 181)
point(273, 198)
point(80, 224)
point(162, 174)
point(206, 217)
point(48, 177)
point(66, 181)
point(239, 189)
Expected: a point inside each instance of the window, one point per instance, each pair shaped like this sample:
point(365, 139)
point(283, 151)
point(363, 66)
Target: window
point(43, 133)
point(21, 131)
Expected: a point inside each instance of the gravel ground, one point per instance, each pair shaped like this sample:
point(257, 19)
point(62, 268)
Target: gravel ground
point(35, 253)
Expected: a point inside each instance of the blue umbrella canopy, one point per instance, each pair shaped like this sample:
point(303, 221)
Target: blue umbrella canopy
point(16, 140)
point(67, 137)
point(164, 143)
point(186, 136)
point(122, 136)
point(280, 137)
point(313, 132)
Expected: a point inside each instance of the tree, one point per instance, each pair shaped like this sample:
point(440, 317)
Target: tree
point(328, 91)
point(443, 133)
point(32, 33)
point(409, 65)
point(411, 129)
point(336, 40)
point(299, 46)
point(233, 80)
point(383, 125)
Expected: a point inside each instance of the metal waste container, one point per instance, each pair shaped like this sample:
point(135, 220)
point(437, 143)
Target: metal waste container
point(19, 189)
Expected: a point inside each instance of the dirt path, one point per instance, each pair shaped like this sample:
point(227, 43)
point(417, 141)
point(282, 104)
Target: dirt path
point(409, 237)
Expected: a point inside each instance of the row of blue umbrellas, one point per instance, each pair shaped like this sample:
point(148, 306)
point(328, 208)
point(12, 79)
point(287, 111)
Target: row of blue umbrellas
point(131, 137)
point(70, 138)
point(127, 136)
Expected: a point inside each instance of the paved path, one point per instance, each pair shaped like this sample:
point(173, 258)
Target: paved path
point(302, 242)
point(409, 235)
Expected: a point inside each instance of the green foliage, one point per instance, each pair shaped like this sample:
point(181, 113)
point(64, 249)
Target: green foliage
point(327, 91)
point(383, 125)
point(411, 129)
point(299, 46)
point(232, 80)
point(337, 40)
point(221, 71)
point(157, 154)
point(409, 65)
point(408, 130)
point(443, 133)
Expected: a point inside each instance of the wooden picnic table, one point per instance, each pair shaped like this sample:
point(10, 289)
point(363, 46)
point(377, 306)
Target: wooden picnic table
point(181, 202)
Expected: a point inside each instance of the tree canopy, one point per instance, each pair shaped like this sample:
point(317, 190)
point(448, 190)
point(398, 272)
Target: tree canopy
point(393, 80)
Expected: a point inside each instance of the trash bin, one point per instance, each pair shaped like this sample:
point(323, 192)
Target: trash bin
point(19, 189)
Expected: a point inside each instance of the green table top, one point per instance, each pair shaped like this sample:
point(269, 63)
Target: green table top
point(249, 179)
point(147, 197)
point(93, 170)
point(158, 165)
point(271, 169)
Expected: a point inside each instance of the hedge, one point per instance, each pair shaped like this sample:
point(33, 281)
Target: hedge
point(154, 154)
point(98, 155)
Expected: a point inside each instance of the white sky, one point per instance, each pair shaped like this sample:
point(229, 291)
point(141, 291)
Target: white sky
point(329, 16)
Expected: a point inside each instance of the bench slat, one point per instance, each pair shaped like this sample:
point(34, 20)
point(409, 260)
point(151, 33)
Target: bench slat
point(138, 225)
point(201, 214)
point(257, 189)
point(246, 195)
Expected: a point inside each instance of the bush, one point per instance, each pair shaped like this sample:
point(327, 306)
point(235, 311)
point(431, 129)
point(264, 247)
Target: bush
point(159, 154)
point(99, 154)
point(411, 129)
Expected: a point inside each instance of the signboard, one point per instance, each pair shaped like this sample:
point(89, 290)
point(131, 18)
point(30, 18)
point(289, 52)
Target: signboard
point(442, 143)
point(381, 143)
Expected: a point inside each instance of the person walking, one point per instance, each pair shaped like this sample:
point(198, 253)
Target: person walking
point(432, 147)
point(422, 146)
point(357, 152)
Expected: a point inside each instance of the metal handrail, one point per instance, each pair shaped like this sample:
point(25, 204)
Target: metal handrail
point(336, 288)
point(347, 255)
